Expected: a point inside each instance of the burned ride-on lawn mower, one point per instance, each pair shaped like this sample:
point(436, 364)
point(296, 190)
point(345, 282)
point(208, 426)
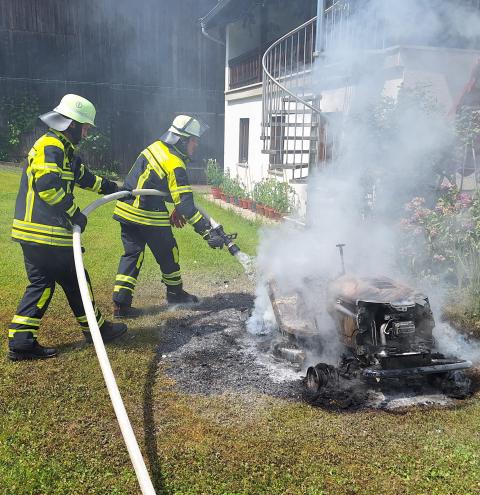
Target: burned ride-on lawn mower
point(385, 329)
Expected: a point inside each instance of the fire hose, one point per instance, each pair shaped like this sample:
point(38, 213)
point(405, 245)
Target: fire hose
point(131, 443)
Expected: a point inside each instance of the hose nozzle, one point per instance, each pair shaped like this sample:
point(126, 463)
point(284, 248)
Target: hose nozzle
point(227, 239)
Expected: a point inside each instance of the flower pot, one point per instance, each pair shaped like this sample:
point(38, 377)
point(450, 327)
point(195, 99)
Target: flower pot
point(249, 204)
point(245, 204)
point(231, 200)
point(268, 212)
point(223, 196)
point(260, 209)
point(215, 192)
point(277, 215)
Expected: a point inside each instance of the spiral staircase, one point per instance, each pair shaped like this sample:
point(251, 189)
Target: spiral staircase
point(292, 130)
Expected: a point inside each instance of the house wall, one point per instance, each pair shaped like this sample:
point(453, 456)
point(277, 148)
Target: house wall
point(444, 71)
point(248, 104)
point(257, 166)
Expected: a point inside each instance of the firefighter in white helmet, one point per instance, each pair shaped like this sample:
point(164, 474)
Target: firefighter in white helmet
point(45, 212)
point(145, 220)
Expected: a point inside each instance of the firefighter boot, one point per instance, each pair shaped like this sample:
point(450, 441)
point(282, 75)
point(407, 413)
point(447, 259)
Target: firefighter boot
point(125, 311)
point(176, 295)
point(109, 331)
point(20, 349)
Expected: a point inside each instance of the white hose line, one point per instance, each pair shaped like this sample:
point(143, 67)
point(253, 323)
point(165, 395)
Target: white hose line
point(141, 471)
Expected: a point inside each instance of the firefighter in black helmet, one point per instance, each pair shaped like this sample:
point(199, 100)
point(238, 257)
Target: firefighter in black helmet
point(45, 211)
point(145, 220)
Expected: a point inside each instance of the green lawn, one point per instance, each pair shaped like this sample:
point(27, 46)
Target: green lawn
point(58, 434)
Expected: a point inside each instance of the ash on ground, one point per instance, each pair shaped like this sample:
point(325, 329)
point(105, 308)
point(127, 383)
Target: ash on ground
point(207, 350)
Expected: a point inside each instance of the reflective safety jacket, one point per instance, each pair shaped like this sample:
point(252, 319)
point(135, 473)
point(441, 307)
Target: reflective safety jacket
point(159, 167)
point(45, 201)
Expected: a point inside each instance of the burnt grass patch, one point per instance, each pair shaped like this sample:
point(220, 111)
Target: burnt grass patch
point(206, 350)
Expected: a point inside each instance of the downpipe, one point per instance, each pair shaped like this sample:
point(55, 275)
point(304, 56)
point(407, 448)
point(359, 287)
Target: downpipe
point(131, 443)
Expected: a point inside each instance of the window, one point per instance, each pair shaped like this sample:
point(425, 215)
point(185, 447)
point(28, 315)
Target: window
point(277, 132)
point(243, 141)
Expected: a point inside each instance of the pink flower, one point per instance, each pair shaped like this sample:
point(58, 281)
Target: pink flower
point(438, 257)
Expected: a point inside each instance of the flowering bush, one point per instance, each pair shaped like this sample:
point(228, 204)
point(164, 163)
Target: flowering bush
point(444, 241)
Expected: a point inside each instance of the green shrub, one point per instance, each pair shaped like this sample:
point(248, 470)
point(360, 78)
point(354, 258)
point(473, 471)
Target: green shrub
point(443, 242)
point(233, 187)
point(275, 194)
point(214, 173)
point(18, 117)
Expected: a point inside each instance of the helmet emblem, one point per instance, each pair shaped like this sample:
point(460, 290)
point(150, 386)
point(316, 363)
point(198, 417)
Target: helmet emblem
point(78, 104)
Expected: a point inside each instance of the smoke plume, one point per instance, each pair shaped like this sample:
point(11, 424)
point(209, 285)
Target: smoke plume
point(393, 135)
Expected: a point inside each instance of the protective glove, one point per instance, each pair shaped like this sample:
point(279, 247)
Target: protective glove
point(176, 219)
point(78, 218)
point(108, 186)
point(126, 189)
point(214, 240)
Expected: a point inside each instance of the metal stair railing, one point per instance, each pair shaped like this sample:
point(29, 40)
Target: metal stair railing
point(290, 110)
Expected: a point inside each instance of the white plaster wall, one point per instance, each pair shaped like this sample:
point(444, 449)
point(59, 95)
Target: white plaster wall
point(257, 166)
point(445, 70)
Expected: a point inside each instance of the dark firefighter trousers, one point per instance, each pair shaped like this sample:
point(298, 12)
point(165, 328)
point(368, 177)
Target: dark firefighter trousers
point(47, 266)
point(164, 248)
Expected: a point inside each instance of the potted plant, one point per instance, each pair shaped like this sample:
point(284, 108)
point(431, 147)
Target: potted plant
point(214, 177)
point(227, 188)
point(259, 196)
point(248, 202)
point(282, 198)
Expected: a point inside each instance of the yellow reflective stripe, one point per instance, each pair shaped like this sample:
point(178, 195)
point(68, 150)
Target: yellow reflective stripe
point(157, 215)
point(176, 255)
point(126, 278)
point(30, 196)
point(198, 216)
point(39, 227)
point(67, 175)
point(82, 319)
point(140, 259)
point(161, 156)
point(154, 163)
point(58, 197)
point(50, 241)
point(44, 298)
point(143, 221)
point(172, 275)
point(96, 187)
point(100, 321)
point(173, 187)
point(52, 196)
point(51, 167)
point(166, 281)
point(26, 320)
point(141, 181)
point(72, 209)
point(182, 189)
point(13, 331)
point(118, 288)
point(82, 171)
point(154, 215)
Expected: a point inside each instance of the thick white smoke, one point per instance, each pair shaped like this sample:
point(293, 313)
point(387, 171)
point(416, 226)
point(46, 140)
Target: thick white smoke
point(389, 149)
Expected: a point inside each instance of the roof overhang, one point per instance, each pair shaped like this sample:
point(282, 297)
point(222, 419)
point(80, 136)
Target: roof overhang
point(224, 12)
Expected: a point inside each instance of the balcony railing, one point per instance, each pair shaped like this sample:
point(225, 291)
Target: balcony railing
point(245, 69)
point(291, 116)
